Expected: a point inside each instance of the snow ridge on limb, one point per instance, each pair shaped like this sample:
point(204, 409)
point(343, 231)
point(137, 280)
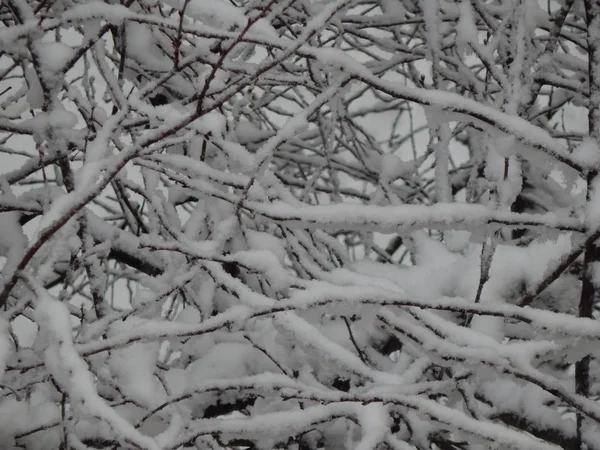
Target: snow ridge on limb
point(405, 218)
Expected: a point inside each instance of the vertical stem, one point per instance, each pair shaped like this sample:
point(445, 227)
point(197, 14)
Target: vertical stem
point(582, 368)
point(586, 302)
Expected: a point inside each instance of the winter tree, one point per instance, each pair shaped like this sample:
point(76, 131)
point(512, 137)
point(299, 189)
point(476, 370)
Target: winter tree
point(299, 224)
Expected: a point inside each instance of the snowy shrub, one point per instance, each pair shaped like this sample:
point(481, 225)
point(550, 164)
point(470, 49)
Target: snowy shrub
point(303, 224)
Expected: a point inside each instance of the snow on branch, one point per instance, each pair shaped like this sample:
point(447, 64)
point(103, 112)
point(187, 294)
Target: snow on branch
point(274, 224)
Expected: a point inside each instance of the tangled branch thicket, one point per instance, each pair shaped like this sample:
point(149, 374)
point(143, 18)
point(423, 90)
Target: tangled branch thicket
point(303, 224)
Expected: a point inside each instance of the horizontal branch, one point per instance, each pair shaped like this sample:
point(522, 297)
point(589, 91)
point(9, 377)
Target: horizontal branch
point(405, 218)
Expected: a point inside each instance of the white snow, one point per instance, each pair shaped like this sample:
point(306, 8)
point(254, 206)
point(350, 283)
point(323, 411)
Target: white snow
point(340, 59)
point(264, 241)
point(222, 14)
point(13, 241)
point(466, 30)
point(267, 263)
point(60, 206)
point(432, 24)
point(54, 55)
point(141, 44)
point(35, 95)
point(238, 157)
point(213, 123)
point(228, 360)
point(133, 368)
point(394, 167)
point(375, 424)
point(393, 8)
point(115, 14)
point(588, 153)
point(173, 432)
